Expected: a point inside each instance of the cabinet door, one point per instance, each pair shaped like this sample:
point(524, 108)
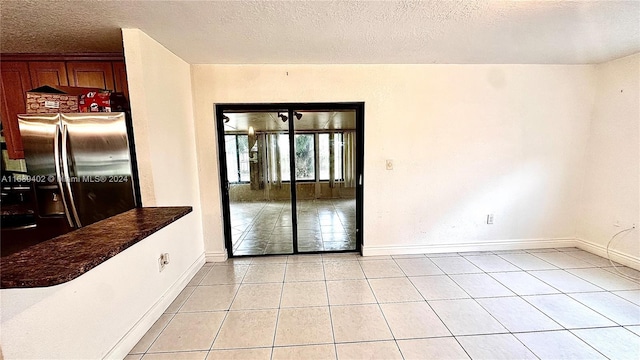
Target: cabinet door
point(120, 74)
point(48, 73)
point(14, 83)
point(95, 74)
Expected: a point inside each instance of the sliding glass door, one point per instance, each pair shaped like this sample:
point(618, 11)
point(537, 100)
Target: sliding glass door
point(256, 152)
point(325, 180)
point(291, 176)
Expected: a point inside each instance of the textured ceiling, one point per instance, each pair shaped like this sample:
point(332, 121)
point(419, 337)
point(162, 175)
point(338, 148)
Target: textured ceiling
point(326, 32)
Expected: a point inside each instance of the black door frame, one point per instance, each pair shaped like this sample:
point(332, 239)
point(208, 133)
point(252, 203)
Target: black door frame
point(290, 107)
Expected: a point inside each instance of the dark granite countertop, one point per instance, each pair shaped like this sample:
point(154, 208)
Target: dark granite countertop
point(68, 256)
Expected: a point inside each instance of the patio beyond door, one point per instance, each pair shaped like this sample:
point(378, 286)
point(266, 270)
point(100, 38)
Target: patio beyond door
point(292, 179)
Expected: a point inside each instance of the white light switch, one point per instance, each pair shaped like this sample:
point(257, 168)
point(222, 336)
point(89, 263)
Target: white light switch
point(389, 164)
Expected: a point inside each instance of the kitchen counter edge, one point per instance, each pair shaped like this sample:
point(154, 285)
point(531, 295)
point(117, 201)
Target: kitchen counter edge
point(68, 256)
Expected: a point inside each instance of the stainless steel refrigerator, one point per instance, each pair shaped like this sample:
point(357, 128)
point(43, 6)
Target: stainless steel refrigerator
point(81, 165)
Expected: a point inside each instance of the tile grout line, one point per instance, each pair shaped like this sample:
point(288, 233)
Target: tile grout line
point(523, 269)
point(157, 336)
point(434, 311)
point(381, 311)
point(517, 295)
point(244, 233)
point(589, 345)
point(531, 272)
point(275, 330)
point(393, 336)
point(568, 294)
point(333, 333)
point(597, 311)
point(430, 307)
point(227, 311)
point(314, 208)
point(173, 315)
point(521, 297)
point(562, 328)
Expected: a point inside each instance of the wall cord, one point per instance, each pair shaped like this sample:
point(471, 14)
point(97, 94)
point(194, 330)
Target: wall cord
point(609, 256)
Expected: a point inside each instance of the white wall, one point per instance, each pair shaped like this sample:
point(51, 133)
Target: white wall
point(105, 311)
point(466, 140)
point(101, 312)
point(612, 176)
point(162, 111)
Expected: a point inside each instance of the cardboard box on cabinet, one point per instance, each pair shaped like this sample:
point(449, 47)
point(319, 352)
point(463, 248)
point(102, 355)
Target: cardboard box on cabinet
point(68, 99)
point(55, 99)
point(103, 101)
point(95, 101)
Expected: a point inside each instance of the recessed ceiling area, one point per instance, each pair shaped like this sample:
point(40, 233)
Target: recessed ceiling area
point(308, 121)
point(334, 32)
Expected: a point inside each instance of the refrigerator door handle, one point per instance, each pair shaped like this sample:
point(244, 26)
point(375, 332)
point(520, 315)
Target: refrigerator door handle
point(56, 159)
point(67, 176)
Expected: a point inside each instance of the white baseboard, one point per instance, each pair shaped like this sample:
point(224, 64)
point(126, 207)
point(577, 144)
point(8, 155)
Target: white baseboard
point(213, 256)
point(491, 245)
point(131, 338)
point(601, 250)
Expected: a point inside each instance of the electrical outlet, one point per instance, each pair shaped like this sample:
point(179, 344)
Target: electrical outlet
point(163, 260)
point(389, 164)
point(490, 219)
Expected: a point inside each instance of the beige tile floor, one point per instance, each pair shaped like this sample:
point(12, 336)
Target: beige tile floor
point(265, 227)
point(547, 304)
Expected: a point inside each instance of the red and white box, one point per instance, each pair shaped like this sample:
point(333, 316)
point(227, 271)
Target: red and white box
point(95, 101)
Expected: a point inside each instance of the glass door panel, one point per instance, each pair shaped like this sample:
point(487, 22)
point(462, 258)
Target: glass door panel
point(325, 166)
point(257, 158)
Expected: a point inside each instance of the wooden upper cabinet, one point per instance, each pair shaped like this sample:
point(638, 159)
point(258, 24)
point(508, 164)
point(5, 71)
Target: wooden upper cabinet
point(14, 83)
point(48, 73)
point(95, 74)
point(120, 74)
point(23, 72)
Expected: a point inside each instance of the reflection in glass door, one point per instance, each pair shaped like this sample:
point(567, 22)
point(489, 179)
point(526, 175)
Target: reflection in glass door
point(292, 176)
point(256, 148)
point(325, 180)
